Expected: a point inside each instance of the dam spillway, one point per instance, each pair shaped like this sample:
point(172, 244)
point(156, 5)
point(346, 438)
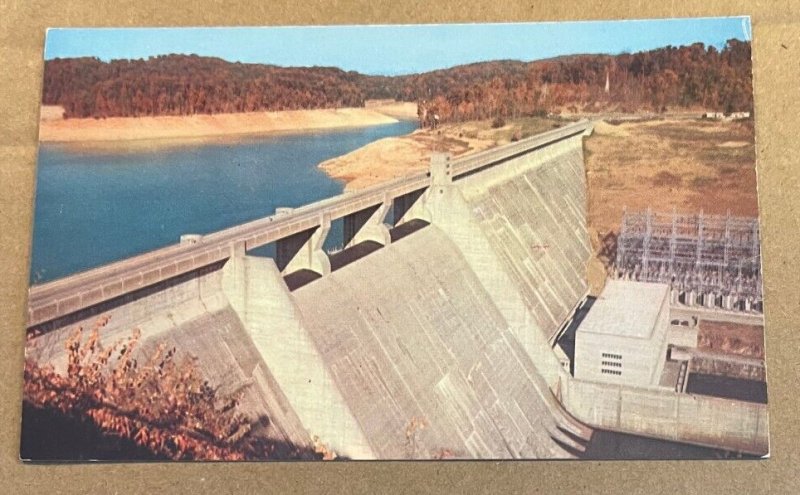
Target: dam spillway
point(437, 341)
point(424, 340)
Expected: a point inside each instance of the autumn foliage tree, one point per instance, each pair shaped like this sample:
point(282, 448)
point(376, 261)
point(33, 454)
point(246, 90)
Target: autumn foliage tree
point(693, 76)
point(188, 85)
point(161, 403)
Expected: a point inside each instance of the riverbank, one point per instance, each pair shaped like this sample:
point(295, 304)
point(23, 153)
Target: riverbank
point(53, 128)
point(396, 157)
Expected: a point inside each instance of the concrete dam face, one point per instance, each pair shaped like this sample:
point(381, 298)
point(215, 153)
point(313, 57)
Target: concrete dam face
point(410, 333)
point(438, 342)
point(435, 340)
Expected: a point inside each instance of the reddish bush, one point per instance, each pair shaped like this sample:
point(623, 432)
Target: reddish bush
point(162, 404)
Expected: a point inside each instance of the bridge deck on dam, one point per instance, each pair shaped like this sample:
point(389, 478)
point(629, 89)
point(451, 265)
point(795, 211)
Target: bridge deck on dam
point(412, 339)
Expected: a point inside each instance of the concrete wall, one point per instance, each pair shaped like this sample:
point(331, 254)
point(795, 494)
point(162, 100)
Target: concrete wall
point(473, 366)
point(259, 296)
point(412, 338)
point(451, 213)
point(153, 310)
point(226, 357)
point(533, 211)
point(711, 363)
point(483, 224)
point(192, 314)
point(658, 413)
point(521, 226)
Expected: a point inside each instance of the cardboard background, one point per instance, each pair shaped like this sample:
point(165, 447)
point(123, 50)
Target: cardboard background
point(776, 63)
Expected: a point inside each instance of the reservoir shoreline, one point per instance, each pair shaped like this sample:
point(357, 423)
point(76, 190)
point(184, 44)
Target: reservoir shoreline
point(95, 206)
point(124, 130)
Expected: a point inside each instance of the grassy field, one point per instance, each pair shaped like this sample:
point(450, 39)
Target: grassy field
point(731, 338)
point(689, 165)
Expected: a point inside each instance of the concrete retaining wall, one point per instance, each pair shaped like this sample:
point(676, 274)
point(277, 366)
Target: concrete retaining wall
point(701, 420)
point(533, 211)
point(226, 357)
point(153, 310)
point(452, 214)
point(521, 226)
point(461, 366)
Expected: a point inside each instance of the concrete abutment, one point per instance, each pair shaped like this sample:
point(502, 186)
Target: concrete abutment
point(258, 294)
point(367, 225)
point(304, 250)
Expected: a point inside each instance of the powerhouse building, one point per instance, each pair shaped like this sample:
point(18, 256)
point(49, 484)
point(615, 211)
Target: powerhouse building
point(623, 338)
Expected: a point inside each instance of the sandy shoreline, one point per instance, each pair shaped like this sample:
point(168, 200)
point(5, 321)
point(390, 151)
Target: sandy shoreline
point(52, 128)
point(395, 157)
point(379, 161)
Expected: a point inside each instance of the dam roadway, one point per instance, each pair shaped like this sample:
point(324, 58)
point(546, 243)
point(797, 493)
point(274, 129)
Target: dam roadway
point(450, 326)
point(51, 300)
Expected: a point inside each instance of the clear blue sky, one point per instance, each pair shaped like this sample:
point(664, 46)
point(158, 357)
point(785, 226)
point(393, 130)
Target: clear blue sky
point(392, 50)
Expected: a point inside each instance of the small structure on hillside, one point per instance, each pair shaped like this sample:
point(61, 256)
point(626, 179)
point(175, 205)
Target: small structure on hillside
point(379, 102)
point(623, 339)
point(723, 116)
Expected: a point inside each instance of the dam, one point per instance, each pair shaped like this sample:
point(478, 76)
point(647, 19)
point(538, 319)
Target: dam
point(431, 334)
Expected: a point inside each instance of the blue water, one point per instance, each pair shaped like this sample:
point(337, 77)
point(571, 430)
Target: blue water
point(95, 207)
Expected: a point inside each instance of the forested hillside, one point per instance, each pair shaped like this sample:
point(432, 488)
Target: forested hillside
point(664, 79)
point(188, 84)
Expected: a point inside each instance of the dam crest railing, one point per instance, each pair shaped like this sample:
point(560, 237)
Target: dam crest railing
point(59, 297)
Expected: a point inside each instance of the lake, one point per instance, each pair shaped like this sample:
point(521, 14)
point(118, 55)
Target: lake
point(98, 206)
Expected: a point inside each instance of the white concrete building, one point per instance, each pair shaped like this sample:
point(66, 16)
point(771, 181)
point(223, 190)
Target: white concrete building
point(623, 339)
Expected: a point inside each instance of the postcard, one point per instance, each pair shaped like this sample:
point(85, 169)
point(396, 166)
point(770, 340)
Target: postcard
point(421, 242)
